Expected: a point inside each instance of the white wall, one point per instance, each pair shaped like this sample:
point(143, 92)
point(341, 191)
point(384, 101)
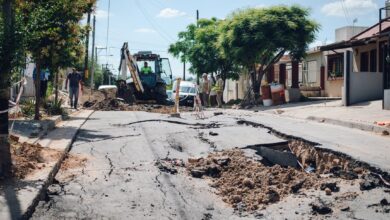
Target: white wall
point(386, 99)
point(365, 86)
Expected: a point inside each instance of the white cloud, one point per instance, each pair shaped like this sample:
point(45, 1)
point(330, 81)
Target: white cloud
point(349, 7)
point(145, 30)
point(101, 14)
point(170, 13)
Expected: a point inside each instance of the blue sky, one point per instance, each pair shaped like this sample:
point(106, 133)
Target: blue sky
point(154, 24)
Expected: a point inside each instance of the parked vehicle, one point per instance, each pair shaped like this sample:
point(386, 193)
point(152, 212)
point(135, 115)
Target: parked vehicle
point(187, 93)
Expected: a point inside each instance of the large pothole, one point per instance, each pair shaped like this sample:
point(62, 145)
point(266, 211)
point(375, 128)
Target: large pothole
point(284, 169)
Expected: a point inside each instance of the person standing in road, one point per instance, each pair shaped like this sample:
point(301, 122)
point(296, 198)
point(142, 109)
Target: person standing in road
point(75, 82)
point(205, 89)
point(219, 90)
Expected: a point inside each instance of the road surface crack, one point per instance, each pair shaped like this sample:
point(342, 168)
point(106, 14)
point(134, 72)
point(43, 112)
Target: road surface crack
point(111, 165)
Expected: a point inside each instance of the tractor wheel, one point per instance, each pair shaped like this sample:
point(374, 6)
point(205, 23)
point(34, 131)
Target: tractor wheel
point(161, 94)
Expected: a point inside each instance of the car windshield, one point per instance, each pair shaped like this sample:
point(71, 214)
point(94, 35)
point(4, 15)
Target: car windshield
point(186, 89)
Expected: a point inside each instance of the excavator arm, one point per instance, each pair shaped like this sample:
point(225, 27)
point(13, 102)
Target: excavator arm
point(128, 62)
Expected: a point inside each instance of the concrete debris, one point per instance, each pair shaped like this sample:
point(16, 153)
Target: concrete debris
point(330, 186)
point(169, 165)
point(119, 105)
point(320, 208)
point(369, 182)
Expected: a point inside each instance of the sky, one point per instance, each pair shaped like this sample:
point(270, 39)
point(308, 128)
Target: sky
point(153, 25)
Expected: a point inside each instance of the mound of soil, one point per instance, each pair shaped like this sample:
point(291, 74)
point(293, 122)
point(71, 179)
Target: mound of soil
point(117, 105)
point(247, 184)
point(27, 158)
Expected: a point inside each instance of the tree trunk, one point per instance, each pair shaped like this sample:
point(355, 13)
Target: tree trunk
point(37, 89)
point(56, 87)
point(5, 68)
point(87, 46)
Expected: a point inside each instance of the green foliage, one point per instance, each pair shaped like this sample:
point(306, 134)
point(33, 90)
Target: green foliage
point(257, 35)
point(50, 89)
point(52, 31)
point(28, 107)
point(55, 108)
point(197, 45)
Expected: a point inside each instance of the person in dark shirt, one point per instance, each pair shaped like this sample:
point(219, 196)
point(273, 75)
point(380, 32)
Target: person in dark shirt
point(74, 78)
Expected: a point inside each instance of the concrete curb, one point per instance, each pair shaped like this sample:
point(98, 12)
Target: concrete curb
point(348, 124)
point(49, 180)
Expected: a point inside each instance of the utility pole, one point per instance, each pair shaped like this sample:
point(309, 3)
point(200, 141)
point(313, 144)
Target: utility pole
point(184, 70)
point(197, 25)
point(93, 54)
point(87, 46)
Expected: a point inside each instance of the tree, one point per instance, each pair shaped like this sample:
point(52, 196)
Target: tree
point(263, 35)
point(206, 56)
point(197, 45)
point(182, 48)
point(53, 34)
point(7, 53)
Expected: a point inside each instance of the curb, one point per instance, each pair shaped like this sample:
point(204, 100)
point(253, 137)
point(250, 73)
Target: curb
point(49, 180)
point(347, 124)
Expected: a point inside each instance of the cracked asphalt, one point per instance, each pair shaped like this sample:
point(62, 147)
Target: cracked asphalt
point(121, 181)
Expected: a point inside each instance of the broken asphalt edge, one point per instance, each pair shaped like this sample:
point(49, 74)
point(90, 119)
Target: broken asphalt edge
point(349, 124)
point(41, 194)
point(373, 168)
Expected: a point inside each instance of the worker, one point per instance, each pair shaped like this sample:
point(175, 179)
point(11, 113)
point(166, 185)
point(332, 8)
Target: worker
point(205, 89)
point(146, 69)
point(75, 82)
point(219, 90)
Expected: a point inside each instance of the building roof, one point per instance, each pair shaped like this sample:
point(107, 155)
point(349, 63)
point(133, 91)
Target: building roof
point(365, 37)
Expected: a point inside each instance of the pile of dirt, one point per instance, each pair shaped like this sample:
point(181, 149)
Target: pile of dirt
point(27, 158)
point(118, 105)
point(247, 184)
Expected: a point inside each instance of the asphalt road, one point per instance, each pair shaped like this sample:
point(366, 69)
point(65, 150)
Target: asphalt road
point(121, 181)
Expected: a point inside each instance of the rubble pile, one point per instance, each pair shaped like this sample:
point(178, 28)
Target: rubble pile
point(247, 184)
point(326, 162)
point(118, 105)
point(26, 158)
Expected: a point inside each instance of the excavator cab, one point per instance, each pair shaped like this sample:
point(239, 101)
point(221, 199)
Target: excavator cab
point(153, 79)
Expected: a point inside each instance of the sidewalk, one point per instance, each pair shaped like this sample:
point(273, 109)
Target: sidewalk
point(362, 116)
point(18, 198)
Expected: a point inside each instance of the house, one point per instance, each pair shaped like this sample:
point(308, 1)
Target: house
point(366, 65)
point(323, 72)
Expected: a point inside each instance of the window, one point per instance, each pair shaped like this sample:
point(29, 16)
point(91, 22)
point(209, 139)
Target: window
point(335, 65)
point(364, 62)
point(373, 60)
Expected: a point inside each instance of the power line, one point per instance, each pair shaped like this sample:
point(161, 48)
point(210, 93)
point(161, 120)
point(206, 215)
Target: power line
point(345, 11)
point(159, 30)
point(108, 29)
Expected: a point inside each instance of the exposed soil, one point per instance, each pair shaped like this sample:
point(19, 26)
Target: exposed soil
point(117, 105)
point(28, 158)
point(73, 161)
point(247, 184)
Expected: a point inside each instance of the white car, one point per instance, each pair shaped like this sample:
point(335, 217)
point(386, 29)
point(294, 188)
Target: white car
point(187, 92)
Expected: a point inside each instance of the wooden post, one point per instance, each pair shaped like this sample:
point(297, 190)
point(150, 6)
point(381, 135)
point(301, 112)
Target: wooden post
point(177, 98)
